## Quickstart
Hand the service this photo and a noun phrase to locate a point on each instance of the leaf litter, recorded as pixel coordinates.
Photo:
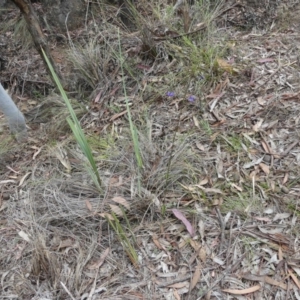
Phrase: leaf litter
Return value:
(227, 169)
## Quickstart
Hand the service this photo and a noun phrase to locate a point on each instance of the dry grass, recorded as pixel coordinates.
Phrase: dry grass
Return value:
(214, 207)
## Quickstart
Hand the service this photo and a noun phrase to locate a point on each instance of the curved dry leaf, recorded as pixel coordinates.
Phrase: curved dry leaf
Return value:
(121, 201)
(265, 168)
(196, 122)
(176, 295)
(196, 277)
(203, 181)
(23, 178)
(39, 149)
(240, 189)
(180, 216)
(253, 163)
(196, 246)
(266, 147)
(263, 219)
(118, 115)
(200, 146)
(179, 285)
(270, 231)
(261, 101)
(88, 205)
(106, 216)
(244, 291)
(281, 216)
(66, 243)
(201, 229)
(271, 281)
(156, 242)
(209, 190)
(116, 181)
(202, 254)
(97, 264)
(116, 209)
(295, 279)
(219, 261)
(285, 178)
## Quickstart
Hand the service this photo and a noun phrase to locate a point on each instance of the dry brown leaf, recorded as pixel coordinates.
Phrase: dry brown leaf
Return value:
(253, 163)
(97, 98)
(244, 291)
(196, 246)
(156, 242)
(122, 201)
(271, 281)
(39, 149)
(270, 231)
(265, 279)
(196, 122)
(66, 243)
(182, 243)
(281, 216)
(179, 285)
(272, 124)
(196, 277)
(201, 229)
(202, 254)
(214, 136)
(285, 178)
(23, 179)
(290, 96)
(261, 101)
(215, 101)
(88, 205)
(265, 168)
(200, 146)
(116, 116)
(219, 167)
(203, 181)
(97, 264)
(116, 181)
(266, 147)
(180, 216)
(295, 279)
(280, 254)
(106, 216)
(116, 209)
(219, 261)
(240, 189)
(209, 190)
(176, 295)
